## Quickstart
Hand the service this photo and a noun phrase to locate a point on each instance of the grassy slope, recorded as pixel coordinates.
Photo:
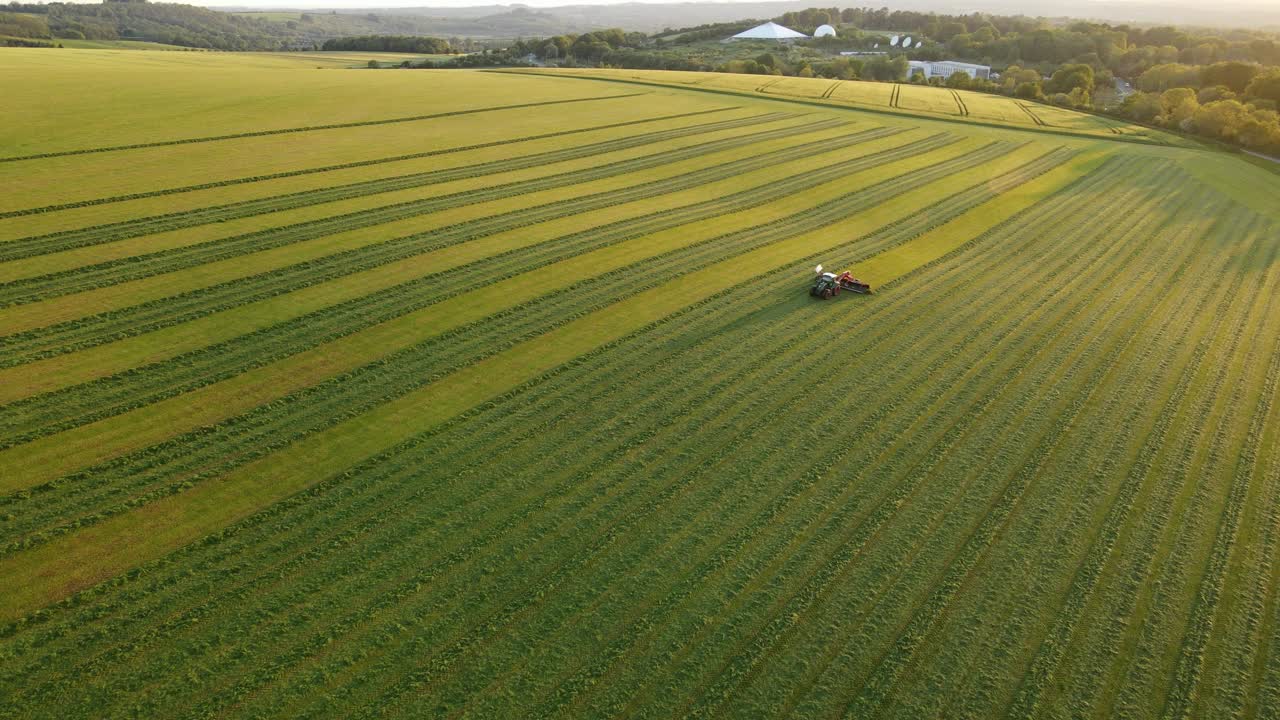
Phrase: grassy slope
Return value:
(576, 459)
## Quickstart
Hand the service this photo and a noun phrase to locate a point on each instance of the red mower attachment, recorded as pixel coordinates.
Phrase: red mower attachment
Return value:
(828, 284)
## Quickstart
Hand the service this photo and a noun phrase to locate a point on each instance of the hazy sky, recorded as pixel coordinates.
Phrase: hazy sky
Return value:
(1028, 7)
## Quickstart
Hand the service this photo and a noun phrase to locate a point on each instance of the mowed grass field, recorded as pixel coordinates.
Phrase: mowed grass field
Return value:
(899, 98)
(351, 393)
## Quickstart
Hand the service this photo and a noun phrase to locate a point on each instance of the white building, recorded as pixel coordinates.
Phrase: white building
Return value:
(769, 31)
(946, 68)
(824, 31)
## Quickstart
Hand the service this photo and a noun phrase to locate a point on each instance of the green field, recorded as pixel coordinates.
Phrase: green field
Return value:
(354, 393)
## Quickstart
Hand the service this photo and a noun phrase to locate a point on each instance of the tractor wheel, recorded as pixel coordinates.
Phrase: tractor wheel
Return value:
(813, 292)
(826, 294)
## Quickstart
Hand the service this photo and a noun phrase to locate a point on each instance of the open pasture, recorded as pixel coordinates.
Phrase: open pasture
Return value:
(440, 394)
(917, 100)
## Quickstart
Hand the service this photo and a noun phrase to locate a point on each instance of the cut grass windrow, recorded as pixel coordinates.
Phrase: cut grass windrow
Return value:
(1069, 358)
(1155, 510)
(28, 290)
(27, 419)
(112, 232)
(1179, 281)
(1144, 670)
(1188, 300)
(1179, 703)
(1054, 647)
(313, 128)
(135, 320)
(374, 384)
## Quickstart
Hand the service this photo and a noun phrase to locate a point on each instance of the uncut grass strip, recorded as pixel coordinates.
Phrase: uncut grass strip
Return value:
(710, 250)
(1184, 657)
(1170, 564)
(1158, 505)
(1054, 647)
(1264, 690)
(125, 322)
(1091, 434)
(737, 655)
(112, 232)
(146, 317)
(878, 686)
(313, 128)
(1080, 514)
(381, 252)
(43, 287)
(543, 710)
(43, 415)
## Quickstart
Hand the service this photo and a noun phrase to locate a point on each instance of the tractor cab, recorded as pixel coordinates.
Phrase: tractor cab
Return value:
(827, 284)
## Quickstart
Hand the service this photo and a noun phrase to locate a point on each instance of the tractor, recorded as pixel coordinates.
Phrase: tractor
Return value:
(828, 284)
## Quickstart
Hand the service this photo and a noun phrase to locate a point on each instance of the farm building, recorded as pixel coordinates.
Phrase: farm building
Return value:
(769, 31)
(946, 68)
(824, 31)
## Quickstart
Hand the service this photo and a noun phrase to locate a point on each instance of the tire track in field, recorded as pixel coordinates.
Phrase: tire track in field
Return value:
(312, 128)
(112, 272)
(64, 240)
(364, 388)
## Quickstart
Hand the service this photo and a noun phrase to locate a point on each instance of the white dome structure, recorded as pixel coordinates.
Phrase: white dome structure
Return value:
(769, 31)
(824, 31)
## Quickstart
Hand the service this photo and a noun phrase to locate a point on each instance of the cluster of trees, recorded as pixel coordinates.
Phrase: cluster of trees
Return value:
(592, 47)
(15, 25)
(169, 23)
(391, 43)
(1228, 105)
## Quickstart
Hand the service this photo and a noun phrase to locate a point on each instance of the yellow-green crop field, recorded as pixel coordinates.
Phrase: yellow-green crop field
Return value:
(354, 393)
